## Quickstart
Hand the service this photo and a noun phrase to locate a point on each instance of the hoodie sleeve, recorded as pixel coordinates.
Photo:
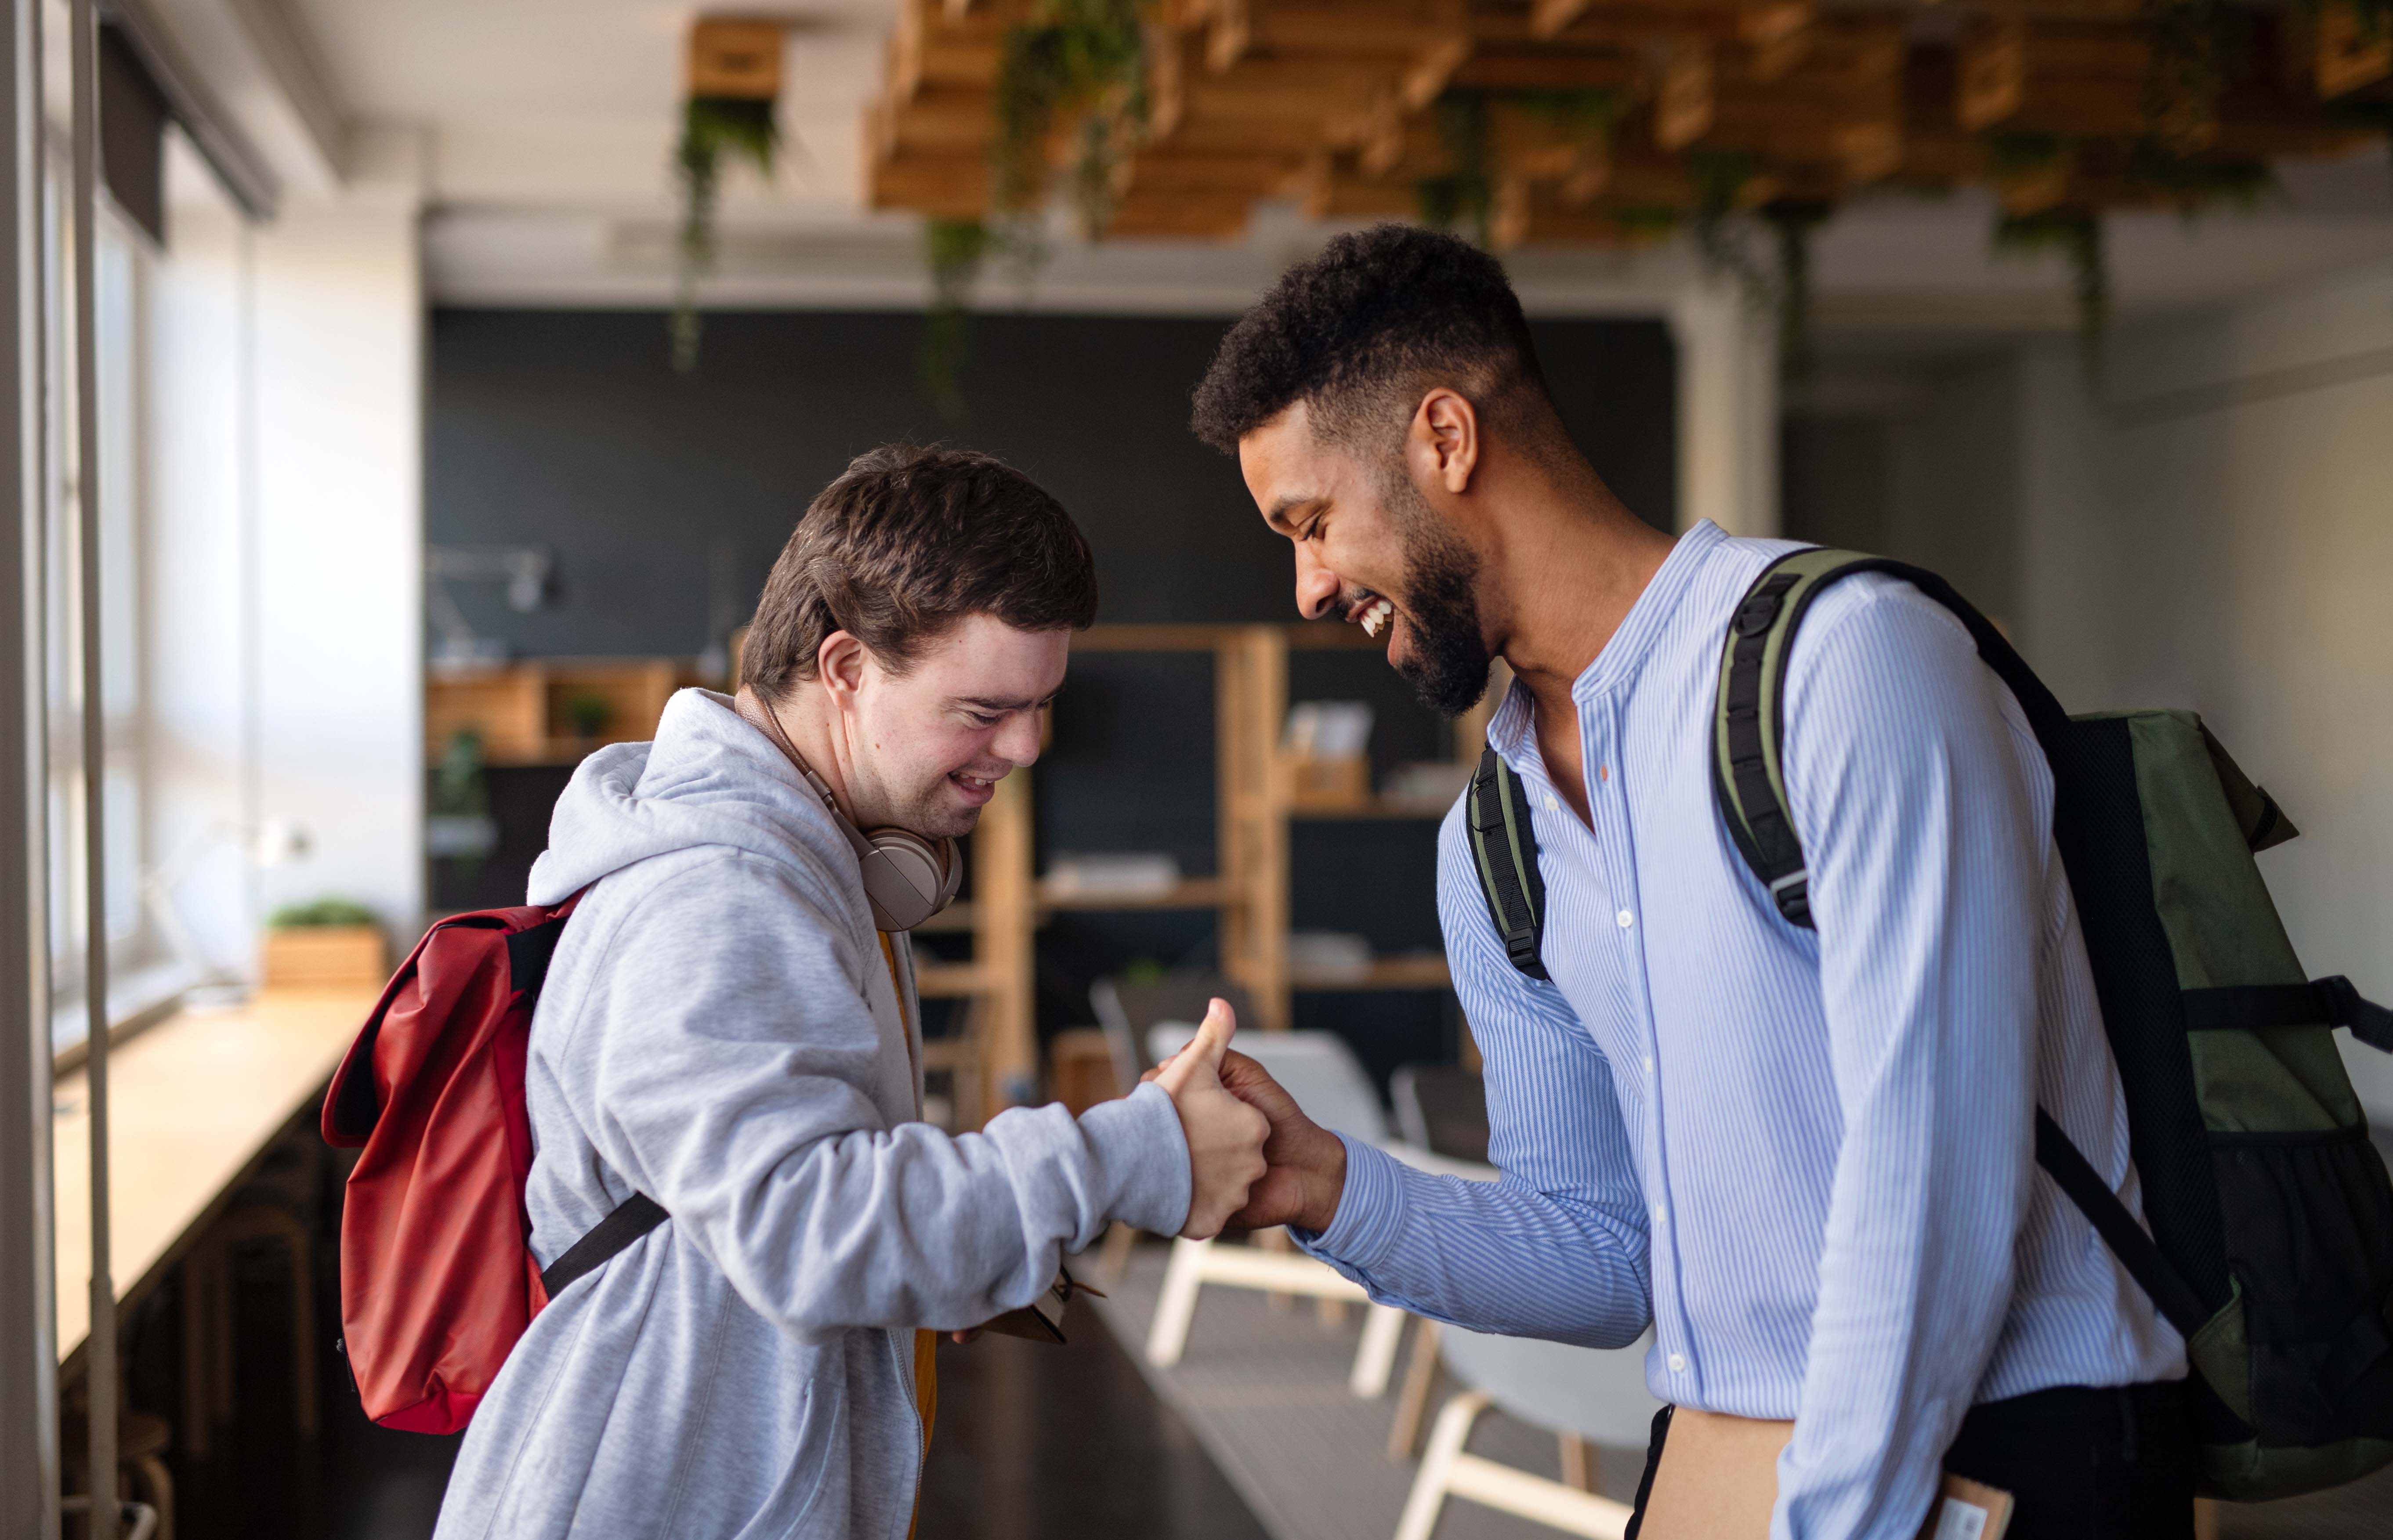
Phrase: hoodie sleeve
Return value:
(730, 1056)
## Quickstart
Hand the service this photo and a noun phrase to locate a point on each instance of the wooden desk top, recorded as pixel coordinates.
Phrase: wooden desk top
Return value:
(193, 1102)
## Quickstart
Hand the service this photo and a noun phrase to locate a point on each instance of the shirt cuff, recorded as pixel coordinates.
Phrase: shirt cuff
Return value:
(1370, 1212)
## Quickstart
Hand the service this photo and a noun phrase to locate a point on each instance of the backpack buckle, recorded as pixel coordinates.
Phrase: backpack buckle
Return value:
(1792, 893)
(1756, 615)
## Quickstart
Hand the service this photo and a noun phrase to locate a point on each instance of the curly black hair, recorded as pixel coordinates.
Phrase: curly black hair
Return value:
(1354, 330)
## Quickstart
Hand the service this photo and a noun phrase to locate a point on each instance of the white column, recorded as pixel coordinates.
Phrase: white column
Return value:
(1728, 410)
(339, 340)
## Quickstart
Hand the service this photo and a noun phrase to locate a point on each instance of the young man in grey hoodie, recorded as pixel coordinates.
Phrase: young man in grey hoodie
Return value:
(726, 1030)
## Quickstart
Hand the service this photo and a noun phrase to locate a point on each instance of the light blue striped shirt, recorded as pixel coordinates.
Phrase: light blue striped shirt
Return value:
(1807, 1157)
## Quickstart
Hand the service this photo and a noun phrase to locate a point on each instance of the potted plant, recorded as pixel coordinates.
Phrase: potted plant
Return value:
(332, 943)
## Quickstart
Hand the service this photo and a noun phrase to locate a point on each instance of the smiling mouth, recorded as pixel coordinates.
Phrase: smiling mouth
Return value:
(1375, 616)
(974, 783)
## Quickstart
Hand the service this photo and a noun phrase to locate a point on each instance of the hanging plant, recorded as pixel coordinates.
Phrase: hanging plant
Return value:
(1794, 220)
(955, 250)
(2076, 234)
(734, 81)
(1465, 191)
(1076, 65)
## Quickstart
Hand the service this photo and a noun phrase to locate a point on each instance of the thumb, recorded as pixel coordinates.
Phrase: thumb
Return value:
(1202, 1054)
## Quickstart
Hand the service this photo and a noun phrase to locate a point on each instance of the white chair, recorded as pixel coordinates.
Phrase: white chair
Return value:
(1579, 1393)
(1320, 1072)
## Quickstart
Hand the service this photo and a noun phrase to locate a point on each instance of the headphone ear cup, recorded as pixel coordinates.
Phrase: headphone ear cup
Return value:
(908, 878)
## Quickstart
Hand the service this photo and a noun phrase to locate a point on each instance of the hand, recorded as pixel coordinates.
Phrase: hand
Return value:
(1305, 1163)
(1225, 1135)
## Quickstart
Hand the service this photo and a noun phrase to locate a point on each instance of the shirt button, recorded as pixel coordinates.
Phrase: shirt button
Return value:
(1550, 803)
(1677, 1363)
(1649, 1063)
(1627, 919)
(1660, 1213)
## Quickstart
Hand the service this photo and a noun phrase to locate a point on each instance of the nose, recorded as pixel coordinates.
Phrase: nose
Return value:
(1316, 586)
(1017, 741)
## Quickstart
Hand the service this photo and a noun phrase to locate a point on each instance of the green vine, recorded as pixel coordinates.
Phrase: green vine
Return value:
(955, 250)
(1794, 220)
(2076, 234)
(1587, 117)
(1465, 191)
(1080, 64)
(712, 129)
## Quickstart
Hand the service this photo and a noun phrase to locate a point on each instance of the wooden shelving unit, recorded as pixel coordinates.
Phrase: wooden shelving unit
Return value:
(1256, 806)
(522, 712)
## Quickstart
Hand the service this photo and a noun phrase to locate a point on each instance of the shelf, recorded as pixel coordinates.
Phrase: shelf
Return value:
(1195, 892)
(1421, 971)
(1388, 809)
(948, 981)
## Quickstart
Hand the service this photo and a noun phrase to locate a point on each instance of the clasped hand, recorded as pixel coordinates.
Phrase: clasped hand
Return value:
(1254, 1159)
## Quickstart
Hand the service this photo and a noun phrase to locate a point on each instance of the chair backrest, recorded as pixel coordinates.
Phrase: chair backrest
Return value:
(1318, 1068)
(1129, 1012)
(1441, 1107)
(1598, 1393)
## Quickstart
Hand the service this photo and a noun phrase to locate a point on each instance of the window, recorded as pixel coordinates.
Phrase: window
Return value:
(121, 274)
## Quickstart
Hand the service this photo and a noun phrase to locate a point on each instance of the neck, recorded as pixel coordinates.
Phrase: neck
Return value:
(1568, 564)
(818, 733)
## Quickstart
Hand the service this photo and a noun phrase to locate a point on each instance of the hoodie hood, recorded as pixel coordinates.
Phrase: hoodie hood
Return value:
(708, 779)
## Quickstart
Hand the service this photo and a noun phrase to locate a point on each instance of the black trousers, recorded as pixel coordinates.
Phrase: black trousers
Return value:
(2080, 1464)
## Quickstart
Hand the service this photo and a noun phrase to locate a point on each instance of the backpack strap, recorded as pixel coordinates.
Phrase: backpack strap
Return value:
(1749, 711)
(634, 1218)
(1748, 777)
(1504, 845)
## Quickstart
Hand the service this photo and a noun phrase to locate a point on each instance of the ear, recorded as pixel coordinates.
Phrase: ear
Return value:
(1444, 443)
(839, 667)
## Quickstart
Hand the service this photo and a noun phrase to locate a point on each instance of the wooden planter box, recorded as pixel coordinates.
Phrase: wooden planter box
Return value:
(316, 956)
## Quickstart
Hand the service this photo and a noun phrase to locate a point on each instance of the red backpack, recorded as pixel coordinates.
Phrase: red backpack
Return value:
(438, 1276)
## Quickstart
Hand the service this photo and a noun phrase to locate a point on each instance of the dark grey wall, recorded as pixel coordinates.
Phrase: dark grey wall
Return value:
(568, 428)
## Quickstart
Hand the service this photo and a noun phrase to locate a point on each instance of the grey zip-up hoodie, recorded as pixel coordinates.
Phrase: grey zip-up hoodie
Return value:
(719, 1031)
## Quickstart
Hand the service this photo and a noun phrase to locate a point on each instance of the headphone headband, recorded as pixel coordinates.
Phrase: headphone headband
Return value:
(908, 878)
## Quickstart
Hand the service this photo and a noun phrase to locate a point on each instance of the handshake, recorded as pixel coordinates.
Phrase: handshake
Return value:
(1254, 1159)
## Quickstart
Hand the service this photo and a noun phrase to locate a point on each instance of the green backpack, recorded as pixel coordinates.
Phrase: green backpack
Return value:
(2270, 1245)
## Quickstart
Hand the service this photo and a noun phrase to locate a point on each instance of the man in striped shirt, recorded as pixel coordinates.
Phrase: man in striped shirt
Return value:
(1804, 1159)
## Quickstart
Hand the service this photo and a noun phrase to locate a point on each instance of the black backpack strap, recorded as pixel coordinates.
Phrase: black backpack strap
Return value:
(1748, 778)
(1750, 710)
(2127, 1237)
(634, 1218)
(1504, 845)
(2332, 1001)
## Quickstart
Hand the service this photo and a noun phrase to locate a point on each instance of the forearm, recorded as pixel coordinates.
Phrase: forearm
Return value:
(1491, 1255)
(912, 1227)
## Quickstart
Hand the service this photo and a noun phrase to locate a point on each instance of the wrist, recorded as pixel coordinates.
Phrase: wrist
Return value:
(1326, 1181)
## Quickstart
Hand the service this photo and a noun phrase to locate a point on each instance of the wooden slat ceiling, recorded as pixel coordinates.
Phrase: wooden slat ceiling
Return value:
(1338, 103)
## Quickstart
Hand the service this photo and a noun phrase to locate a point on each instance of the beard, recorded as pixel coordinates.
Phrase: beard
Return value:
(1449, 659)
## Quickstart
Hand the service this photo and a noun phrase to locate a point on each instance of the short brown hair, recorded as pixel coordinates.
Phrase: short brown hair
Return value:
(905, 544)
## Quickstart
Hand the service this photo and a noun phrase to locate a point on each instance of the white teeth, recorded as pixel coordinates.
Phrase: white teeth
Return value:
(1377, 616)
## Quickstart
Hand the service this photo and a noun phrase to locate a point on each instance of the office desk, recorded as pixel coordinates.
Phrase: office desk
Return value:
(193, 1103)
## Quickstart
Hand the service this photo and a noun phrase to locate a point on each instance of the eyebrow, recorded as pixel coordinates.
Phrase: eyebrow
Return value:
(1018, 703)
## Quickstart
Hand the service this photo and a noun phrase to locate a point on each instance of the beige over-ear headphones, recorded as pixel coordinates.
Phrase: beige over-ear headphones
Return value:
(906, 877)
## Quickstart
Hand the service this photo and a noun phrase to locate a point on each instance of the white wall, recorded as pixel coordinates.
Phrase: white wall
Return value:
(196, 567)
(2218, 534)
(339, 340)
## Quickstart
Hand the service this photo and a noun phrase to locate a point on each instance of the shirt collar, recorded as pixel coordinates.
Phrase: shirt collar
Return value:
(1620, 656)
